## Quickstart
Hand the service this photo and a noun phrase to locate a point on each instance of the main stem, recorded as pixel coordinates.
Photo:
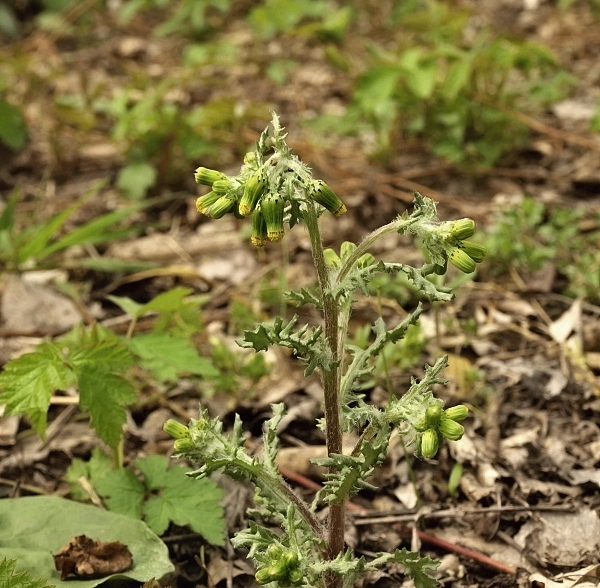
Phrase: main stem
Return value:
(331, 387)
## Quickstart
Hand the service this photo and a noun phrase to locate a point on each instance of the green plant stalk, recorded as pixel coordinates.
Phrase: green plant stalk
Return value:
(331, 386)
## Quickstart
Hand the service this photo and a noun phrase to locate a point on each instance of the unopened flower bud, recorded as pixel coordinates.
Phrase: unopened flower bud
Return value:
(462, 229)
(221, 207)
(296, 576)
(451, 429)
(183, 445)
(272, 206)
(332, 259)
(253, 189)
(365, 260)
(457, 413)
(274, 552)
(263, 576)
(277, 571)
(259, 228)
(320, 192)
(347, 249)
(475, 251)
(429, 443)
(461, 260)
(176, 429)
(290, 558)
(433, 415)
(206, 176)
(222, 186)
(205, 202)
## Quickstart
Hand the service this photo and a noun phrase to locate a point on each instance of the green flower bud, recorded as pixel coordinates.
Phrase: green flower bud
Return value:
(274, 552)
(320, 192)
(461, 229)
(259, 228)
(183, 445)
(253, 189)
(290, 558)
(272, 206)
(222, 186)
(331, 258)
(221, 207)
(205, 202)
(475, 251)
(421, 424)
(263, 576)
(429, 443)
(456, 413)
(347, 249)
(451, 429)
(278, 571)
(296, 576)
(249, 158)
(206, 176)
(433, 415)
(176, 429)
(365, 260)
(461, 260)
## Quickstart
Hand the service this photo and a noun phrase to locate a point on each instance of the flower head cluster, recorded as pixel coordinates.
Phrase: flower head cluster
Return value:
(264, 190)
(436, 424)
(281, 567)
(448, 241)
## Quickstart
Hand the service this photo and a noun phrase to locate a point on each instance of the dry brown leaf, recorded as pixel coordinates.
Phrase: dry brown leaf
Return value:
(85, 557)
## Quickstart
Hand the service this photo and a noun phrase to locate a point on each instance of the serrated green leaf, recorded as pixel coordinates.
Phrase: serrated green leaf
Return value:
(28, 382)
(121, 491)
(98, 465)
(257, 339)
(104, 395)
(8, 578)
(169, 357)
(182, 500)
(111, 355)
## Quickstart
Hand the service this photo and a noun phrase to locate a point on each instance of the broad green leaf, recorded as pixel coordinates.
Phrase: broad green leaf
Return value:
(28, 382)
(8, 579)
(456, 78)
(182, 500)
(421, 80)
(13, 130)
(168, 357)
(121, 491)
(131, 307)
(104, 395)
(168, 301)
(33, 528)
(135, 179)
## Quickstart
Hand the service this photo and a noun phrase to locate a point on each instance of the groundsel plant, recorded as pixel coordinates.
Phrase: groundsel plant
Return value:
(275, 188)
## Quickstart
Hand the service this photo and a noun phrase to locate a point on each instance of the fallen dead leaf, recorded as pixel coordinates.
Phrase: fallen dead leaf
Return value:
(85, 557)
(562, 539)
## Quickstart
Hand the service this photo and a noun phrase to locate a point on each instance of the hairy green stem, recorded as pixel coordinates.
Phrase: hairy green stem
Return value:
(331, 386)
